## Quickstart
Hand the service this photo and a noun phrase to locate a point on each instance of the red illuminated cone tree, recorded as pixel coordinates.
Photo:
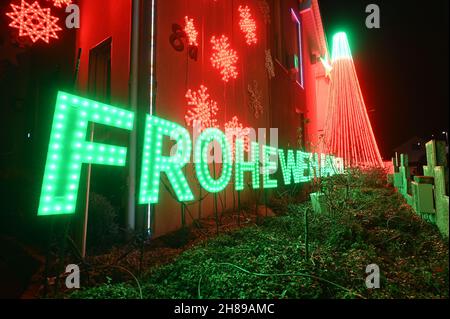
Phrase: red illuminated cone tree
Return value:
(348, 133)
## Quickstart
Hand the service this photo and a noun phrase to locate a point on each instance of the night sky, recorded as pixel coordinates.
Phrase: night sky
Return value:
(402, 67)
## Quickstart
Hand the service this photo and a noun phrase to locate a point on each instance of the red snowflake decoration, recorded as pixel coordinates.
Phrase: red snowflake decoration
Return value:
(224, 58)
(235, 130)
(61, 3)
(202, 109)
(248, 25)
(191, 31)
(33, 21)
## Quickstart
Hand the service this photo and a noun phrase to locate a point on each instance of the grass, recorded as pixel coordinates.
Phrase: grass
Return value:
(370, 226)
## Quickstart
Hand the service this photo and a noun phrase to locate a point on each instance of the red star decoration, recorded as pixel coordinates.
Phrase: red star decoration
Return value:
(33, 21)
(60, 3)
(190, 31)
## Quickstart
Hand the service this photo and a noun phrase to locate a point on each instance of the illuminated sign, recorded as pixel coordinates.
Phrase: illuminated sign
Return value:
(69, 149)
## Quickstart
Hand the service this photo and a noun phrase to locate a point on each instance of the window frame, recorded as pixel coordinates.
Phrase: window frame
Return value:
(300, 77)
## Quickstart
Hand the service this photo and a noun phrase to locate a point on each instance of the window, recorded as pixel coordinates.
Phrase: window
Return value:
(301, 133)
(298, 56)
(288, 39)
(99, 81)
(100, 181)
(280, 47)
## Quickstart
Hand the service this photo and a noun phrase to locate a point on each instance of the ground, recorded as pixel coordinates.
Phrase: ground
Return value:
(369, 223)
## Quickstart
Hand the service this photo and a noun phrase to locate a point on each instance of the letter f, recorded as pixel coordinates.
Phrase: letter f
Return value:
(68, 150)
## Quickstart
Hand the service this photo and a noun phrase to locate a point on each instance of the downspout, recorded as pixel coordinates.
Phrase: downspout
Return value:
(150, 208)
(134, 76)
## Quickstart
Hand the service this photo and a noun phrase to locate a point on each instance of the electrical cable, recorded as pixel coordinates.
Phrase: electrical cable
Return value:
(284, 275)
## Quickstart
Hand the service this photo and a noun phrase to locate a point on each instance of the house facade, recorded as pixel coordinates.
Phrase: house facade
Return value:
(264, 62)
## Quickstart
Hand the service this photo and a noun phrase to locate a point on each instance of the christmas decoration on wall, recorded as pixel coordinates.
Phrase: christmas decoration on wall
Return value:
(202, 168)
(327, 66)
(269, 166)
(235, 130)
(33, 21)
(269, 64)
(154, 162)
(190, 31)
(176, 38)
(224, 58)
(348, 131)
(251, 166)
(248, 25)
(294, 166)
(61, 3)
(69, 149)
(265, 11)
(255, 102)
(202, 109)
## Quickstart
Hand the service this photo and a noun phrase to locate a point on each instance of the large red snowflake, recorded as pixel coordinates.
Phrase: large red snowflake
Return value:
(202, 109)
(235, 130)
(191, 31)
(224, 58)
(248, 25)
(33, 21)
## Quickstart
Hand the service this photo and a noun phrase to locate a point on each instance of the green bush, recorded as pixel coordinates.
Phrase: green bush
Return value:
(108, 291)
(368, 225)
(103, 228)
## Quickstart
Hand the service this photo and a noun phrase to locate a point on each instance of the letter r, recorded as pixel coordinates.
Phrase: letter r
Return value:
(154, 162)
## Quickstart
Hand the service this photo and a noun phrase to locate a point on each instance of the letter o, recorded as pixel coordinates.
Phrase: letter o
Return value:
(201, 160)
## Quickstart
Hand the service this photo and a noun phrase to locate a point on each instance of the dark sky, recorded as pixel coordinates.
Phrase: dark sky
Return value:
(402, 67)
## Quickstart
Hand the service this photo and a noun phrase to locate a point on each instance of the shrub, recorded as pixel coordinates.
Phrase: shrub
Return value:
(103, 229)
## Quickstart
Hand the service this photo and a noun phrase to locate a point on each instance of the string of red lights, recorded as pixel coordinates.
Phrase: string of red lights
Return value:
(349, 133)
(34, 21)
(248, 25)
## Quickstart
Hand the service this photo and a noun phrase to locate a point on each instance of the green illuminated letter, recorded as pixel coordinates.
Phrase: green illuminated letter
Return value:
(303, 166)
(154, 162)
(327, 168)
(338, 165)
(289, 167)
(269, 167)
(201, 160)
(68, 150)
(251, 166)
(314, 167)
